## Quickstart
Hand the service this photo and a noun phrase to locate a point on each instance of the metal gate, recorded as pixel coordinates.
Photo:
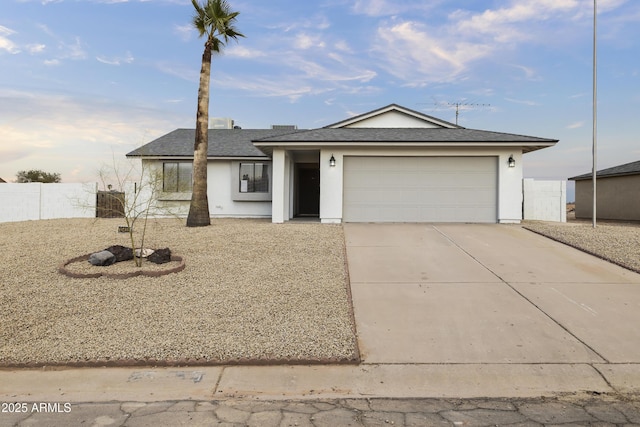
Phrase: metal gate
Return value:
(110, 204)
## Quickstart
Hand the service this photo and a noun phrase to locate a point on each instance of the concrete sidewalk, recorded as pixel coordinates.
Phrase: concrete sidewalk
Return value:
(442, 311)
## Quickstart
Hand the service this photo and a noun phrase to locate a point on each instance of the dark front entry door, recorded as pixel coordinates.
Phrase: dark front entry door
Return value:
(308, 190)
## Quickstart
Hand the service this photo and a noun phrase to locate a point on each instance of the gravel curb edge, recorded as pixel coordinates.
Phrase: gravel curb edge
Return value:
(352, 314)
(605, 258)
(126, 363)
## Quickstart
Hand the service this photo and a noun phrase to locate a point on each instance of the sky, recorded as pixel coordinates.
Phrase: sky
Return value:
(83, 82)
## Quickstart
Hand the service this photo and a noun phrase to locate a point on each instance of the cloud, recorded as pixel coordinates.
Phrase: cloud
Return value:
(127, 59)
(374, 7)
(45, 29)
(74, 51)
(10, 153)
(184, 31)
(244, 53)
(324, 69)
(503, 24)
(37, 127)
(380, 8)
(5, 43)
(290, 88)
(427, 51)
(343, 46)
(411, 53)
(306, 62)
(302, 76)
(36, 48)
(307, 41)
(523, 102)
(183, 72)
(604, 7)
(307, 78)
(576, 125)
(316, 22)
(529, 73)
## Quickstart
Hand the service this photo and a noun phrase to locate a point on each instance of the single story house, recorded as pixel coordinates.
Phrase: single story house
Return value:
(617, 193)
(392, 164)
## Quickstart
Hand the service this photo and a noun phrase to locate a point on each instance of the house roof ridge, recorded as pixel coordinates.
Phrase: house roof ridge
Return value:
(631, 168)
(398, 107)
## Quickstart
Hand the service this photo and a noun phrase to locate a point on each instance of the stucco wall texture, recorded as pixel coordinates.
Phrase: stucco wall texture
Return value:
(618, 198)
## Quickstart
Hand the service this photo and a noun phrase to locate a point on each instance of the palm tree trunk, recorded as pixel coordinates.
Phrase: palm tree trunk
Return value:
(199, 209)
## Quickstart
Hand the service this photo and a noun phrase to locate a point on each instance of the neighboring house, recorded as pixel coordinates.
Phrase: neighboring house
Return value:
(389, 165)
(617, 193)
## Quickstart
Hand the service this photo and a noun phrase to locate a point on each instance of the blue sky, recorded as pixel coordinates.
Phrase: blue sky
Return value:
(85, 80)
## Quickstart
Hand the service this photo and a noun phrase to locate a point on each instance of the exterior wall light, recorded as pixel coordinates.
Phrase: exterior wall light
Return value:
(512, 162)
(332, 161)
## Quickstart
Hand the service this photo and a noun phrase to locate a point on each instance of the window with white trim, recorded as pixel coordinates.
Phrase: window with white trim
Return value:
(177, 177)
(254, 177)
(251, 180)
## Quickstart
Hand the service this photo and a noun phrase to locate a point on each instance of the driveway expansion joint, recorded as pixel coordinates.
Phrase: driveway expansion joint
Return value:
(563, 327)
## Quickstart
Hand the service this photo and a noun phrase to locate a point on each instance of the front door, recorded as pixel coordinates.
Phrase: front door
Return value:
(308, 189)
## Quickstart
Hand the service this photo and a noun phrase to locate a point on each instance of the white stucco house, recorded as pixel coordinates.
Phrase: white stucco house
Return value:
(393, 164)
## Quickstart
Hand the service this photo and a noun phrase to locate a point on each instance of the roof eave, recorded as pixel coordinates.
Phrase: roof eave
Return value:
(171, 157)
(535, 147)
(587, 177)
(526, 146)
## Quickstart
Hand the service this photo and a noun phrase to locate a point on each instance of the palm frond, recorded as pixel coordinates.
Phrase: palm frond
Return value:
(215, 19)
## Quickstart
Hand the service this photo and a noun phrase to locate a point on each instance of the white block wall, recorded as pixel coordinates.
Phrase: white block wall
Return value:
(33, 201)
(545, 200)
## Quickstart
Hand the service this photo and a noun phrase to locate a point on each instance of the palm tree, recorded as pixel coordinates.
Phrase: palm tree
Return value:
(215, 20)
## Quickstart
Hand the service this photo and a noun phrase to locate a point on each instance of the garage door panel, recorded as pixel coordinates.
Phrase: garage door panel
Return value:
(420, 189)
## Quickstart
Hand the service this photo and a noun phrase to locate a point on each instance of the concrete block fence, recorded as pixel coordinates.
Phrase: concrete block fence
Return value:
(34, 201)
(545, 200)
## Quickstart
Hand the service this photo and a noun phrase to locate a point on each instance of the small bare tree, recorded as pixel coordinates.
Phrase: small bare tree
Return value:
(142, 187)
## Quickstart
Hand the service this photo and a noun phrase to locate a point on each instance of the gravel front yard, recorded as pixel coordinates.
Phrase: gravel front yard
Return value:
(251, 292)
(618, 243)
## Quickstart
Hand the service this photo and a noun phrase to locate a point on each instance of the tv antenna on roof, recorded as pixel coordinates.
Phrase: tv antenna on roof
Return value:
(464, 105)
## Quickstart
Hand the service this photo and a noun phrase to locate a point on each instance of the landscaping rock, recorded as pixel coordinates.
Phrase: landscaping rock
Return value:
(143, 253)
(102, 258)
(160, 256)
(122, 253)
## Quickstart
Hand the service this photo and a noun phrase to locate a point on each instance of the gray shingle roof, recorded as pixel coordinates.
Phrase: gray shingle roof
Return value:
(632, 168)
(222, 143)
(405, 135)
(401, 135)
(238, 143)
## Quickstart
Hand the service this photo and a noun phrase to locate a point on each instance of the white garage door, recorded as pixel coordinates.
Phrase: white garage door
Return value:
(420, 189)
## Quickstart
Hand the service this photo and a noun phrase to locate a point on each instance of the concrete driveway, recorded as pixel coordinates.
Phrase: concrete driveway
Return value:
(487, 294)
